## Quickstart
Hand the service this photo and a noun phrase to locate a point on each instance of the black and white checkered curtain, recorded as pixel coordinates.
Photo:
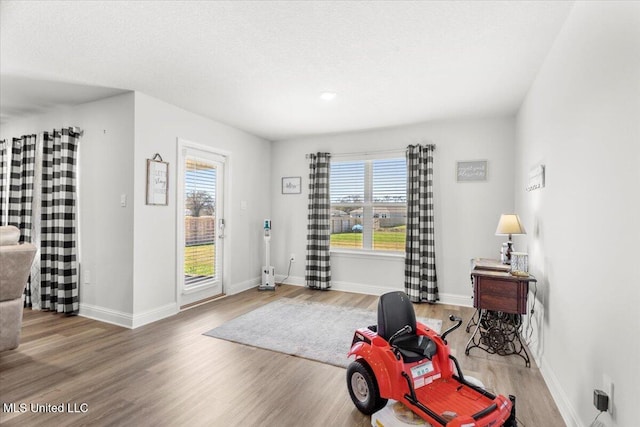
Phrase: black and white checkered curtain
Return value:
(318, 267)
(22, 171)
(59, 271)
(420, 280)
(4, 160)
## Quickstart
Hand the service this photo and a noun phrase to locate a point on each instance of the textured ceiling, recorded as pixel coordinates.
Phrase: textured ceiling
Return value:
(261, 66)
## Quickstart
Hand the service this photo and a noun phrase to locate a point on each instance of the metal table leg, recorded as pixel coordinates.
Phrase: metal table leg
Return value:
(499, 334)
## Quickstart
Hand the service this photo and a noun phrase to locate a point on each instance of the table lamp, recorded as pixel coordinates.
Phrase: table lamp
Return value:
(509, 224)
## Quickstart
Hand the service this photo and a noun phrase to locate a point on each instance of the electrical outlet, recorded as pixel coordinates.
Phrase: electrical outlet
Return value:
(87, 277)
(607, 387)
(292, 257)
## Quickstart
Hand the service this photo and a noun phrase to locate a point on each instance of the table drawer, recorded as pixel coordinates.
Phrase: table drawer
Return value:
(500, 295)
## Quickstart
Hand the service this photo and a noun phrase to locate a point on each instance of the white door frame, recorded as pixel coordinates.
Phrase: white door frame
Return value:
(182, 146)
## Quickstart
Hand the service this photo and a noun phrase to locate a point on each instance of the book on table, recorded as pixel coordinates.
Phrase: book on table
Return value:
(489, 264)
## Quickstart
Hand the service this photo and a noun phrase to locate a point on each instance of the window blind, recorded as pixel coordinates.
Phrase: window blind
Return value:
(368, 204)
(200, 230)
(390, 181)
(346, 182)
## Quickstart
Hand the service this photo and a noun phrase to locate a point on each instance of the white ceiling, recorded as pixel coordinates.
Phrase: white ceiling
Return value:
(261, 66)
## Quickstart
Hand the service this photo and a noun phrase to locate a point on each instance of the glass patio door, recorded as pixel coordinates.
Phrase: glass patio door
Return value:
(201, 226)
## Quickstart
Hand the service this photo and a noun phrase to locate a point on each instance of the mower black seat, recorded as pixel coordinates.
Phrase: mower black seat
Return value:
(395, 311)
(415, 347)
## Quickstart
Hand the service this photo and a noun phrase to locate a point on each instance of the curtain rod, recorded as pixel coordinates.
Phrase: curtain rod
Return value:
(369, 153)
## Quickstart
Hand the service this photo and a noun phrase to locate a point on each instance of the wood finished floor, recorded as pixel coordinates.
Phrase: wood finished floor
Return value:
(169, 374)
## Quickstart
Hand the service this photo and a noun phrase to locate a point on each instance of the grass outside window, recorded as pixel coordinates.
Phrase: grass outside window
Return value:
(390, 239)
(198, 260)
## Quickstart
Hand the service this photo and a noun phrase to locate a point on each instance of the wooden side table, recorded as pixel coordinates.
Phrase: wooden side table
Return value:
(500, 300)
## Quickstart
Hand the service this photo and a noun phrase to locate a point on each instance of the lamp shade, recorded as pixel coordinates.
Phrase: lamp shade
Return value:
(509, 224)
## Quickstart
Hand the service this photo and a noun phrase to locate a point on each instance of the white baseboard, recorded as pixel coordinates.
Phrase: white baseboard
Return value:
(126, 320)
(455, 299)
(362, 288)
(154, 315)
(356, 288)
(563, 403)
(291, 280)
(236, 288)
(106, 315)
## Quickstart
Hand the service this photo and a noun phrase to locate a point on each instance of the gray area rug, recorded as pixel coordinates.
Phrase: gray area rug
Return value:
(312, 330)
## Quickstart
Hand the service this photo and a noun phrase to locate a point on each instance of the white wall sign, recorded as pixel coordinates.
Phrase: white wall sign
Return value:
(536, 178)
(471, 171)
(157, 182)
(291, 185)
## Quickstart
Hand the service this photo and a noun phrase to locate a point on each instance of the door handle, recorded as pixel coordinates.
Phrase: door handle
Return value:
(221, 226)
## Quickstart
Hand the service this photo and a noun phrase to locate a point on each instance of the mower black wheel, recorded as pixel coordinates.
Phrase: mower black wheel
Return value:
(363, 388)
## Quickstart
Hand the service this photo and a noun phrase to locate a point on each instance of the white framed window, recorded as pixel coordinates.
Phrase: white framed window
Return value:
(368, 204)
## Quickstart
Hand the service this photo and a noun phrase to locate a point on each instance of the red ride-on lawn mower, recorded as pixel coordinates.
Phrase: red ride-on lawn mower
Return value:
(406, 361)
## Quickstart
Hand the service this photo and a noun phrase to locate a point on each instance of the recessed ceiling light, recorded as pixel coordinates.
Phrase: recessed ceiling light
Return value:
(327, 96)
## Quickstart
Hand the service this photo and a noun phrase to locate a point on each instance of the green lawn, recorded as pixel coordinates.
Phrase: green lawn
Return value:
(387, 240)
(198, 260)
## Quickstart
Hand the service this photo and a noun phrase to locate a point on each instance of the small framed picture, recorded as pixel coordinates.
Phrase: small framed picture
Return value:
(471, 171)
(157, 182)
(291, 185)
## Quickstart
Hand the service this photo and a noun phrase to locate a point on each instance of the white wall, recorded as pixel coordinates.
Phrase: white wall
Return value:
(466, 214)
(130, 252)
(105, 165)
(581, 119)
(157, 127)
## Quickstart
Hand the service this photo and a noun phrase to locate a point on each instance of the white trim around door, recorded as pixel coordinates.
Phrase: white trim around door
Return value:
(202, 222)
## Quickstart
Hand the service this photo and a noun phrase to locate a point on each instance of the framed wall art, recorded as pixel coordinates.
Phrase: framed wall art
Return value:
(536, 178)
(291, 185)
(157, 181)
(471, 171)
